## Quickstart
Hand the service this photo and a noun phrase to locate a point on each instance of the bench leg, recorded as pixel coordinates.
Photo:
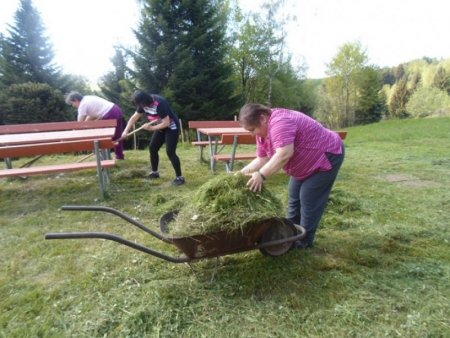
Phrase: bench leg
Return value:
(100, 172)
(228, 169)
(8, 163)
(201, 154)
(233, 152)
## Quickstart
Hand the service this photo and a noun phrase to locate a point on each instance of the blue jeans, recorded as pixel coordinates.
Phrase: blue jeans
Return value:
(308, 198)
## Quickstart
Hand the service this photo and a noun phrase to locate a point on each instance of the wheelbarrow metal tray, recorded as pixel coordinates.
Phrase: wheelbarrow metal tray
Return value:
(223, 242)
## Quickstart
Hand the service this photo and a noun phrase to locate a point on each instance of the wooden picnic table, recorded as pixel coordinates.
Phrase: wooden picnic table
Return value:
(214, 135)
(67, 137)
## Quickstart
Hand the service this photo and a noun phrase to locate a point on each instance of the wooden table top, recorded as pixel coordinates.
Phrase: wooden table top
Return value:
(225, 130)
(55, 136)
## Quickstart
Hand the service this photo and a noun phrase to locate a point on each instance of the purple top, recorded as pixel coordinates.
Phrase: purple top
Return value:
(310, 139)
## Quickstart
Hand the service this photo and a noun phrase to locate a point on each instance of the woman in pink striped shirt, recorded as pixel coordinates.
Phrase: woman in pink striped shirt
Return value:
(310, 153)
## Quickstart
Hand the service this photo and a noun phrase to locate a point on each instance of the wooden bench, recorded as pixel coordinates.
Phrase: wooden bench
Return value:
(234, 140)
(244, 139)
(99, 145)
(342, 134)
(208, 124)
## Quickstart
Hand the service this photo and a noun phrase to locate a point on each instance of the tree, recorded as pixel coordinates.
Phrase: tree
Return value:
(26, 54)
(441, 80)
(116, 85)
(182, 55)
(290, 91)
(370, 102)
(399, 72)
(388, 76)
(414, 81)
(399, 99)
(274, 38)
(258, 55)
(246, 54)
(330, 101)
(344, 71)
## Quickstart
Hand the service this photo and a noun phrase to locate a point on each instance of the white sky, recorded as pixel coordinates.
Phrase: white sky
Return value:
(84, 32)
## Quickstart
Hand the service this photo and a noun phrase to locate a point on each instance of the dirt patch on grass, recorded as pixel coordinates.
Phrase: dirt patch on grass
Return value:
(409, 181)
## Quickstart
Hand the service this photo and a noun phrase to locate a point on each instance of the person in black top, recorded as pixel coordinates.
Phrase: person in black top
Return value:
(165, 126)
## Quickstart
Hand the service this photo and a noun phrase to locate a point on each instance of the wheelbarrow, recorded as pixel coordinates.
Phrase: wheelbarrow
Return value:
(272, 236)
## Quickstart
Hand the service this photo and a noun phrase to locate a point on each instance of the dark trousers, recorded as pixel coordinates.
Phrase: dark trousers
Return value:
(308, 198)
(170, 138)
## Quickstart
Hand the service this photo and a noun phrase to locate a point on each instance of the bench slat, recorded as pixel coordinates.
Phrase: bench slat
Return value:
(342, 134)
(241, 139)
(227, 157)
(213, 124)
(56, 168)
(55, 126)
(203, 143)
(53, 148)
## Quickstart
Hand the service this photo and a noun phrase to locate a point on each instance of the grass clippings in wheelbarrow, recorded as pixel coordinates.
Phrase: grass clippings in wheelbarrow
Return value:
(224, 204)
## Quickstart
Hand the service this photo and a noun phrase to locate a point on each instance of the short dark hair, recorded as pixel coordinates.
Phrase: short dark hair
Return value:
(251, 112)
(141, 98)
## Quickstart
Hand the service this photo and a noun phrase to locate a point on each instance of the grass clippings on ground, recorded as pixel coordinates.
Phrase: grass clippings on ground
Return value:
(380, 266)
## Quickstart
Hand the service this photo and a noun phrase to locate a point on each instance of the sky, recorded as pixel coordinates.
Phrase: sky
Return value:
(83, 33)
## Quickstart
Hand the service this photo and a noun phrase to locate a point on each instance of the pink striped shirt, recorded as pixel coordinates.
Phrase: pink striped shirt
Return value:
(310, 139)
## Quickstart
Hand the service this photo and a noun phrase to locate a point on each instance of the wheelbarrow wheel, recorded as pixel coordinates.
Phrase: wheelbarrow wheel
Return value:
(278, 231)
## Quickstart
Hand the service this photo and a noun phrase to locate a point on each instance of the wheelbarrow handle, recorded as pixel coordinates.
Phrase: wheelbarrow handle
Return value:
(117, 213)
(281, 241)
(118, 239)
(301, 230)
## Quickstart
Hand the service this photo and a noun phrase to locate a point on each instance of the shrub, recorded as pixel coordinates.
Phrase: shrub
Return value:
(33, 103)
(427, 101)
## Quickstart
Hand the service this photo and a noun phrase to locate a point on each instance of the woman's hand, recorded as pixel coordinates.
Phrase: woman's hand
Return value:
(148, 126)
(256, 182)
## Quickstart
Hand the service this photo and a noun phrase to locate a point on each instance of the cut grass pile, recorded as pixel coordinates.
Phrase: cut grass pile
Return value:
(224, 203)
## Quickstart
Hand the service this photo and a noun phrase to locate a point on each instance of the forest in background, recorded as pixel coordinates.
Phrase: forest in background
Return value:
(208, 58)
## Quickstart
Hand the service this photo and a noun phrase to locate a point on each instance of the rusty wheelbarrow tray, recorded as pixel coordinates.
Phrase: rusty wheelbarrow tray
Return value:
(272, 236)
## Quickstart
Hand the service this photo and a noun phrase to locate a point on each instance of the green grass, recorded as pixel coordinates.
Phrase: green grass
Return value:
(381, 265)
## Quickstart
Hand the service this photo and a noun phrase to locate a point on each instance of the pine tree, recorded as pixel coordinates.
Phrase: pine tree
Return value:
(399, 99)
(26, 54)
(182, 56)
(116, 85)
(441, 80)
(369, 102)
(110, 82)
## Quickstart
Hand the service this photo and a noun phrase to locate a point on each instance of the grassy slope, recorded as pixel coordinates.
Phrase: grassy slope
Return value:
(380, 267)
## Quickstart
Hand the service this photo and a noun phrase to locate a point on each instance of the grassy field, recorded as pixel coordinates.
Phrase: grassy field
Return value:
(380, 268)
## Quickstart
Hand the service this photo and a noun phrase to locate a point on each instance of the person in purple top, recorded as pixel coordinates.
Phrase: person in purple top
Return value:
(165, 126)
(310, 153)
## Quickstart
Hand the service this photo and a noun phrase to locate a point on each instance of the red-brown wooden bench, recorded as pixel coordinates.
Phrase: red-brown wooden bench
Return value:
(100, 147)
